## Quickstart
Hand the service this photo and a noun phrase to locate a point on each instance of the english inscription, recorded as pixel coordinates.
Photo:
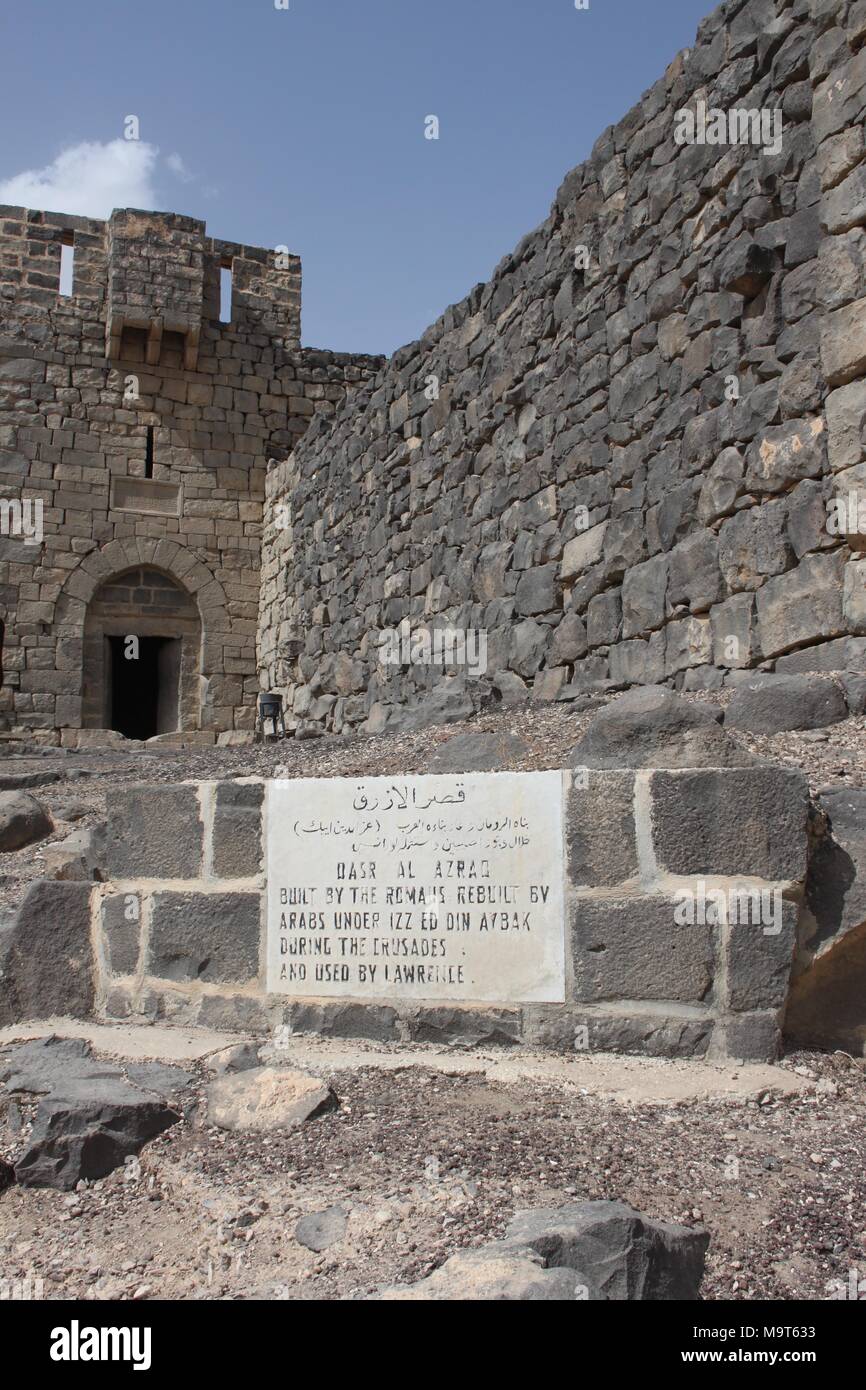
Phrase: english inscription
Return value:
(412, 888)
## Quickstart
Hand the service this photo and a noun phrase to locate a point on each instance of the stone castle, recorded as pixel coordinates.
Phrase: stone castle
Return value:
(634, 456)
(142, 424)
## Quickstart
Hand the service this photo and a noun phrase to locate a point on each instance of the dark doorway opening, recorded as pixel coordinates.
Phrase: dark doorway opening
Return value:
(145, 685)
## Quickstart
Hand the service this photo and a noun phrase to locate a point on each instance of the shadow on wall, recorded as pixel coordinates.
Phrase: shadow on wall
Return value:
(827, 1000)
(827, 1004)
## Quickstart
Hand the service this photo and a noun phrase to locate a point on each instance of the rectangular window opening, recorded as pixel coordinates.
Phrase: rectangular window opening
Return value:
(225, 293)
(67, 259)
(148, 453)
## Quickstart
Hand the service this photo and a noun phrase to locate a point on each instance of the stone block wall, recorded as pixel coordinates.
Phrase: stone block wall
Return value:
(176, 932)
(142, 426)
(617, 460)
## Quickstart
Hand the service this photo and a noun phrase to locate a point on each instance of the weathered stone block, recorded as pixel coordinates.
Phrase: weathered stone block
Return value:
(233, 1013)
(731, 821)
(802, 606)
(754, 544)
(854, 596)
(583, 551)
(213, 937)
(773, 704)
(643, 597)
(600, 829)
(843, 654)
(839, 100)
(733, 625)
(465, 1027)
(121, 932)
(760, 952)
(569, 640)
(843, 343)
(46, 959)
(536, 591)
(748, 1037)
(786, 454)
(651, 1030)
(745, 267)
(631, 948)
(695, 577)
(237, 829)
(604, 618)
(638, 662)
(152, 832)
(337, 1020)
(688, 643)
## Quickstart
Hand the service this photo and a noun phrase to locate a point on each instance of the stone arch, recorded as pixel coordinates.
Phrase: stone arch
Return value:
(142, 656)
(185, 570)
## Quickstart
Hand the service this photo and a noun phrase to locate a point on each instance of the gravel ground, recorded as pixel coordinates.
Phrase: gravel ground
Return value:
(836, 755)
(425, 1162)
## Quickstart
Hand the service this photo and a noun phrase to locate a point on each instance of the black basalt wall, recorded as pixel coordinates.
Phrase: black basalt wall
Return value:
(636, 454)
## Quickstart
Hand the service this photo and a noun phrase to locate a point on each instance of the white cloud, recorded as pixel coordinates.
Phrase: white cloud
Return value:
(89, 179)
(179, 169)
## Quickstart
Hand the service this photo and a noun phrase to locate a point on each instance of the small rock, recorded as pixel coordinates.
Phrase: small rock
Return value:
(321, 1229)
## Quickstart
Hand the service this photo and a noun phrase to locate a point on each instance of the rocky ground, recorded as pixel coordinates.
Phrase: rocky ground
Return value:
(833, 755)
(425, 1158)
(428, 1157)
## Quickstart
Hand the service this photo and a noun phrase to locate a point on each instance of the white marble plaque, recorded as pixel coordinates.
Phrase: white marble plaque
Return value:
(417, 888)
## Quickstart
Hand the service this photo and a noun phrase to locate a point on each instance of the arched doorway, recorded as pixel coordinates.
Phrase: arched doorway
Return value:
(142, 655)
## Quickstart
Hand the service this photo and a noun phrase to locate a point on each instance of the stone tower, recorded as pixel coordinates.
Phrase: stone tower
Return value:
(135, 429)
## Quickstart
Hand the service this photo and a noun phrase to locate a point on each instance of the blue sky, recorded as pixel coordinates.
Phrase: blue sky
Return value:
(305, 127)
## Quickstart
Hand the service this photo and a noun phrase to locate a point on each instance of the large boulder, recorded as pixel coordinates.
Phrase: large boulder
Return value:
(267, 1098)
(87, 1129)
(23, 821)
(774, 704)
(90, 1116)
(597, 1251)
(621, 1254)
(652, 727)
